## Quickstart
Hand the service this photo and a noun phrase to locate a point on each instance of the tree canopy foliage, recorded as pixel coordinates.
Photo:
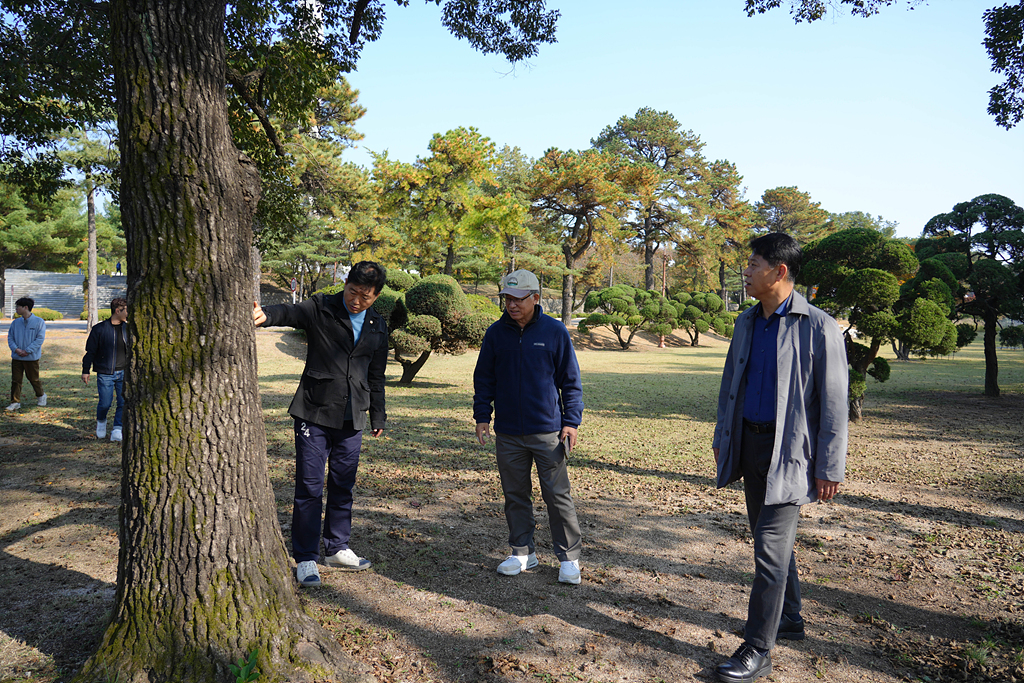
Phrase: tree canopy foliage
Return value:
(857, 273)
(440, 319)
(699, 312)
(788, 210)
(627, 310)
(980, 245)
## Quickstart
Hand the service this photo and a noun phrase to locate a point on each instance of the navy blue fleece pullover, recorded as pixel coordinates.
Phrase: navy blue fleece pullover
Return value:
(530, 375)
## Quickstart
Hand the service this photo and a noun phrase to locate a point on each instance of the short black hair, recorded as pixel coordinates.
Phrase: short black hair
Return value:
(117, 302)
(26, 302)
(776, 248)
(368, 273)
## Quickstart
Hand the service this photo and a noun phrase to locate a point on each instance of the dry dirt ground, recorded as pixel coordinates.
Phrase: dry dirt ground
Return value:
(916, 572)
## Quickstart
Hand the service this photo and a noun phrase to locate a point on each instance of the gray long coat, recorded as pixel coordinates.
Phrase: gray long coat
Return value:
(811, 406)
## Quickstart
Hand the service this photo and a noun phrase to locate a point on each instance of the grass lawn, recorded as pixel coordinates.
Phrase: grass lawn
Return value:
(917, 569)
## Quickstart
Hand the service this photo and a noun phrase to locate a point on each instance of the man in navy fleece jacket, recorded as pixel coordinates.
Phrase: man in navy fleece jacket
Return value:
(527, 369)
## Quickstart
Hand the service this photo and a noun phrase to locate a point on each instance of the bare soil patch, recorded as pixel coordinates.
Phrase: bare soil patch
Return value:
(916, 572)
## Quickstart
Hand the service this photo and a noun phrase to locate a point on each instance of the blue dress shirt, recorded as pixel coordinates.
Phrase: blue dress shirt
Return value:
(762, 369)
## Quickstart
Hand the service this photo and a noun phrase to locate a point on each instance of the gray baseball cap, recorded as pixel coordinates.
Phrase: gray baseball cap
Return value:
(519, 283)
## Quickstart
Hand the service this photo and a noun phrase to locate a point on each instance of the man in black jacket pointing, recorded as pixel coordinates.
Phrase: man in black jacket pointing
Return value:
(347, 347)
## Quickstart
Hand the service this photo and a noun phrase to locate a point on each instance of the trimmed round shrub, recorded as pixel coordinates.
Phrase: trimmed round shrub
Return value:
(880, 369)
(408, 344)
(481, 304)
(439, 296)
(101, 314)
(47, 313)
(399, 280)
(426, 326)
(965, 334)
(471, 328)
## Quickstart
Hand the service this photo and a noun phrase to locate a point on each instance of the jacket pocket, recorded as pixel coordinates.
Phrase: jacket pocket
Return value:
(324, 389)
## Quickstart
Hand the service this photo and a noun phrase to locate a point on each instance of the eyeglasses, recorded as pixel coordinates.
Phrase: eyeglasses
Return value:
(509, 299)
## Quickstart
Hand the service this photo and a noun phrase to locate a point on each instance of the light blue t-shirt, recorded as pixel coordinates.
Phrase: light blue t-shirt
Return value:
(357, 322)
(357, 329)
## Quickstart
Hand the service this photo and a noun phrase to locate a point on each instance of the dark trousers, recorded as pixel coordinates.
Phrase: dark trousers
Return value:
(516, 456)
(28, 368)
(315, 447)
(776, 586)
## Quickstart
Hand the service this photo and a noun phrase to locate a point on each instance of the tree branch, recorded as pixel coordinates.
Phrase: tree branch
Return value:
(357, 20)
(238, 82)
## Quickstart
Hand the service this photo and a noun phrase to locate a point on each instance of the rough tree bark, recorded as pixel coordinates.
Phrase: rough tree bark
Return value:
(991, 362)
(92, 299)
(203, 575)
(411, 367)
(650, 249)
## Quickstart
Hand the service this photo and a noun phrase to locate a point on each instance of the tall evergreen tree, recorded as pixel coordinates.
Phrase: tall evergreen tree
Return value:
(576, 195)
(663, 182)
(788, 210)
(982, 244)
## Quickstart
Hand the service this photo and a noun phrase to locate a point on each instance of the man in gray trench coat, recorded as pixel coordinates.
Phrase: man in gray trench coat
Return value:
(782, 427)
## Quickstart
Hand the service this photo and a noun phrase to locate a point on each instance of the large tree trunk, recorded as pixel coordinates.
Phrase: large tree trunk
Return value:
(567, 285)
(723, 292)
(410, 368)
(991, 363)
(856, 409)
(449, 261)
(91, 297)
(203, 576)
(650, 249)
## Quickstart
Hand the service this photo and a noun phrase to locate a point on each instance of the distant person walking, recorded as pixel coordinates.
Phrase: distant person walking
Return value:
(25, 337)
(106, 350)
(118, 267)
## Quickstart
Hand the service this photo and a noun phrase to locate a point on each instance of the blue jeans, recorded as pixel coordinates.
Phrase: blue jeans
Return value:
(106, 384)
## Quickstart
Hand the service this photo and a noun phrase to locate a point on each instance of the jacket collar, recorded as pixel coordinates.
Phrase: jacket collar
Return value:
(538, 311)
(797, 305)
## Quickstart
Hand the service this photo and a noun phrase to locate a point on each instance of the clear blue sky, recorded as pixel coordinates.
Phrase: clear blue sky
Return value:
(885, 115)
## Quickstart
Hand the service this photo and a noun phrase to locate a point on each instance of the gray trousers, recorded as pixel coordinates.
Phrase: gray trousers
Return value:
(516, 456)
(776, 586)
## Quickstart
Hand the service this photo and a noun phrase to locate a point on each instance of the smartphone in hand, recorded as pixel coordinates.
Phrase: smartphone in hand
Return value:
(565, 444)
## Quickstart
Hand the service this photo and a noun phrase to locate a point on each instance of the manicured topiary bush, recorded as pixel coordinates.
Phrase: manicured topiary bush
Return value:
(47, 313)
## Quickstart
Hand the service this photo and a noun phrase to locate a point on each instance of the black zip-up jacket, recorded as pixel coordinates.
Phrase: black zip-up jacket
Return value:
(336, 368)
(100, 347)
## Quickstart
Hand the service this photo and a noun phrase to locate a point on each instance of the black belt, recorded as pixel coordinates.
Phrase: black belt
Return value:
(759, 427)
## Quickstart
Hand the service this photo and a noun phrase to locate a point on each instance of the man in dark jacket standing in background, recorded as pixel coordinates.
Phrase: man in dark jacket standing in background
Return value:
(347, 347)
(106, 350)
(527, 369)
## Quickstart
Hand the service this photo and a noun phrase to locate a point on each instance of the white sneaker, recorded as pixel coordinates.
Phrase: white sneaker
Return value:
(569, 572)
(101, 429)
(13, 406)
(115, 434)
(41, 401)
(514, 564)
(308, 574)
(347, 561)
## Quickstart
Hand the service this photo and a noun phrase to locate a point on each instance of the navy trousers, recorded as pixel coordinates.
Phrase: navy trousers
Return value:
(338, 449)
(776, 586)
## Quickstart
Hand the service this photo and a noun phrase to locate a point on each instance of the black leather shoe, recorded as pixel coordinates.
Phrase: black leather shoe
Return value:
(745, 665)
(791, 629)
